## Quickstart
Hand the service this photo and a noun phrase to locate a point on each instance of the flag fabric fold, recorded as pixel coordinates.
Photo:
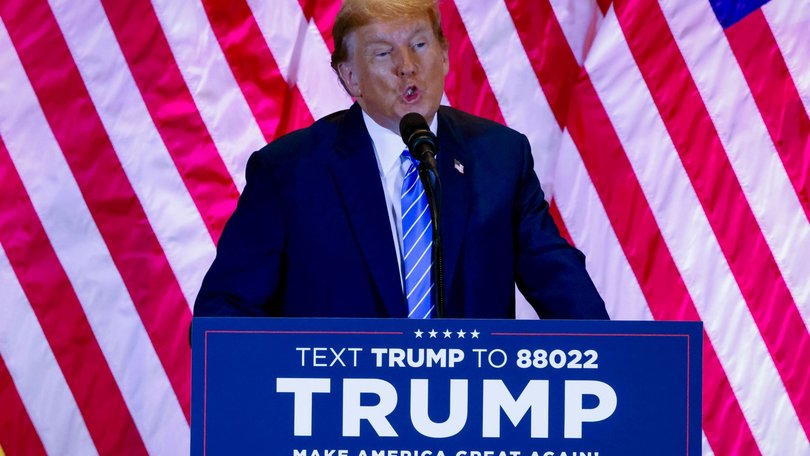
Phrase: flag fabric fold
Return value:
(672, 138)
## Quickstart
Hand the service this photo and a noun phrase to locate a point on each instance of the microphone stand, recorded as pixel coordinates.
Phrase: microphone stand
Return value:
(433, 191)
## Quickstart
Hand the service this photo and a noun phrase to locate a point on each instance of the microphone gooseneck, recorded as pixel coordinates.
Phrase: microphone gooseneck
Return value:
(422, 145)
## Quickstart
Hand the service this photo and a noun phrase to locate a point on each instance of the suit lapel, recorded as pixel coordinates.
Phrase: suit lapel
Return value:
(357, 178)
(455, 167)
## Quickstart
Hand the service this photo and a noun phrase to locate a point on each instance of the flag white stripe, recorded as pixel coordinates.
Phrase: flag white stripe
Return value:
(523, 310)
(748, 145)
(691, 241)
(707, 449)
(592, 233)
(303, 58)
(171, 212)
(535, 118)
(298, 46)
(36, 374)
(82, 252)
(216, 93)
(445, 101)
(789, 21)
(577, 200)
(513, 81)
(579, 21)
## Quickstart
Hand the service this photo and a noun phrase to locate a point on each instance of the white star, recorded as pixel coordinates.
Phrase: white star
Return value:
(475, 334)
(447, 333)
(432, 333)
(461, 333)
(418, 333)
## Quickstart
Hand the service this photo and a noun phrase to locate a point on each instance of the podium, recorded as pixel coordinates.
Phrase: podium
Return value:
(397, 387)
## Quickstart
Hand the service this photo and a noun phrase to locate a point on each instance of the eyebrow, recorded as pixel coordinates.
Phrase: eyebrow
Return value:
(377, 39)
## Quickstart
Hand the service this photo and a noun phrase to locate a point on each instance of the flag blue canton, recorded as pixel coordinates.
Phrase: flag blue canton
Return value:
(729, 12)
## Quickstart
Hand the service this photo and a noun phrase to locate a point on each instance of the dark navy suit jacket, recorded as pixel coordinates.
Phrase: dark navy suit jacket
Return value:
(311, 236)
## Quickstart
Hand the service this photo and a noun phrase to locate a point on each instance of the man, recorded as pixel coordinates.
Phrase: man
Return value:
(321, 228)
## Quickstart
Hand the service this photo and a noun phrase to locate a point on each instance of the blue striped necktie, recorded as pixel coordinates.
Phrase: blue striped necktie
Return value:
(417, 241)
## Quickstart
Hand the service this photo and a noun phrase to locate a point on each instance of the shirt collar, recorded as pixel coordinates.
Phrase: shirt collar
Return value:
(387, 145)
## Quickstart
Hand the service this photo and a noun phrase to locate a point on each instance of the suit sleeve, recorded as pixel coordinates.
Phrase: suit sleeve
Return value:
(245, 276)
(550, 273)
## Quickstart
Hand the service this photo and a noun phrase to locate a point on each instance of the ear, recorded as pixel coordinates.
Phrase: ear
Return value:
(445, 60)
(348, 76)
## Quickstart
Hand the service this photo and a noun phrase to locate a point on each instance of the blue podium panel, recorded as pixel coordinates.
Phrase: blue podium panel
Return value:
(390, 387)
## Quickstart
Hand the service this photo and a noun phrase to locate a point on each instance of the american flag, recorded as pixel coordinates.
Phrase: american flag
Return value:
(672, 136)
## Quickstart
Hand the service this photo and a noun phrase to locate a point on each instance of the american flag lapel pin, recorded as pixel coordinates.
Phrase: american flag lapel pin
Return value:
(459, 167)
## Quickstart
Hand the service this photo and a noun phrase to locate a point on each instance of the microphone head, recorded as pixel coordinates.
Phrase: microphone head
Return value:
(410, 124)
(416, 134)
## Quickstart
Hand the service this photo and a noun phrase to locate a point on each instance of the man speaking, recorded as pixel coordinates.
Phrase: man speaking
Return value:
(335, 222)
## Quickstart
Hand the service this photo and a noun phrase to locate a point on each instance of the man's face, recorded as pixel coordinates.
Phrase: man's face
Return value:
(395, 68)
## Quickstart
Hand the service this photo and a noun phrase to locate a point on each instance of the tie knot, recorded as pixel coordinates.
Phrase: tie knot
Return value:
(408, 164)
(407, 155)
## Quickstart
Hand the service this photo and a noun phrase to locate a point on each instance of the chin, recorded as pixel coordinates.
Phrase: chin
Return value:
(424, 111)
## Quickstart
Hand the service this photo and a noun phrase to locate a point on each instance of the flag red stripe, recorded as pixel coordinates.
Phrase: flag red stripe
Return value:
(724, 425)
(324, 13)
(551, 57)
(17, 432)
(112, 201)
(62, 318)
(277, 107)
(558, 220)
(776, 96)
(466, 86)
(173, 110)
(557, 70)
(737, 231)
(604, 5)
(553, 63)
(647, 253)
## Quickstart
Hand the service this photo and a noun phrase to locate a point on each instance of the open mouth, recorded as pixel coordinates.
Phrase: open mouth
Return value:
(410, 94)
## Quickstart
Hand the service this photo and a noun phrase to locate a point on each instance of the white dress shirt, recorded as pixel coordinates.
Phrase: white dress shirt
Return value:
(388, 148)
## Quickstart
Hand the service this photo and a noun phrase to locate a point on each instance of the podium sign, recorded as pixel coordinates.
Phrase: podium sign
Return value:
(391, 387)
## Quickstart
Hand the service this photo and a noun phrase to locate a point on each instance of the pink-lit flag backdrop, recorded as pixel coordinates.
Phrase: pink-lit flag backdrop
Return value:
(671, 136)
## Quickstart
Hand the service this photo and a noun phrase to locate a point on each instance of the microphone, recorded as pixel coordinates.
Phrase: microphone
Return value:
(422, 144)
(420, 140)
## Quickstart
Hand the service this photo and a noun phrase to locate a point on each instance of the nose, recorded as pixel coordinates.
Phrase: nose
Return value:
(407, 64)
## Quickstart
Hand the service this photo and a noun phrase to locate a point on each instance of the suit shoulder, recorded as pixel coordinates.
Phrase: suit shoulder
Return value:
(472, 126)
(304, 143)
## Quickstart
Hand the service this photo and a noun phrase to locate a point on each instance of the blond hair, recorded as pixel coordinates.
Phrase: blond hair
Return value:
(357, 13)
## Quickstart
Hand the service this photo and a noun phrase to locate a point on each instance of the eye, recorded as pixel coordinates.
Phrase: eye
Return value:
(382, 53)
(420, 45)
